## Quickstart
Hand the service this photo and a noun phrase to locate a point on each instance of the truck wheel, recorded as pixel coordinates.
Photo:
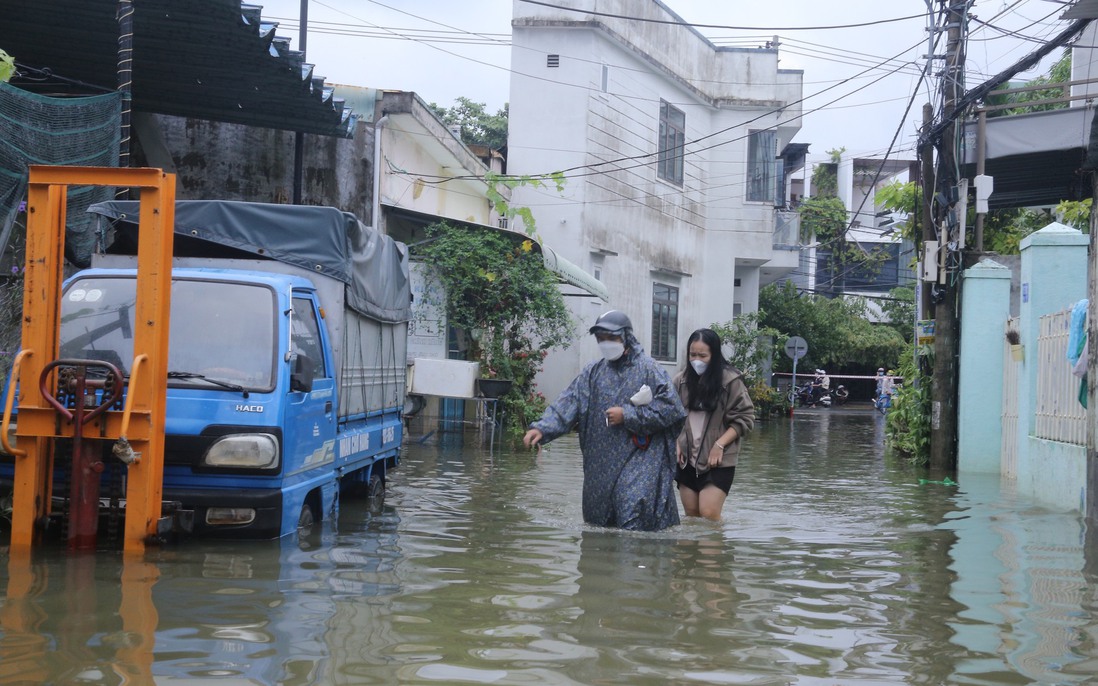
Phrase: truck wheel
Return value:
(375, 494)
(306, 519)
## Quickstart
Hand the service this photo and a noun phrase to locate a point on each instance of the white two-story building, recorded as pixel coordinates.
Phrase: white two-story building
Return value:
(671, 150)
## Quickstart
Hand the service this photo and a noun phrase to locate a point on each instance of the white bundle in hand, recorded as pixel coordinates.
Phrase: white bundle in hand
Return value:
(642, 397)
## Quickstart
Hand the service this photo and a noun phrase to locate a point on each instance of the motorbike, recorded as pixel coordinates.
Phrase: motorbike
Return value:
(884, 401)
(803, 397)
(840, 395)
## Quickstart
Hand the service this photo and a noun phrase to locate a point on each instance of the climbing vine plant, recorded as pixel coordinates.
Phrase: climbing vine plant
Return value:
(498, 291)
(511, 212)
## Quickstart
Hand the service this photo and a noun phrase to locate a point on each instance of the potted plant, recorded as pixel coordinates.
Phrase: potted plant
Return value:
(1017, 350)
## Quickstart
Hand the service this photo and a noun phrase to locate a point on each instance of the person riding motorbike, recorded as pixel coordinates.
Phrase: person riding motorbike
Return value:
(887, 389)
(821, 385)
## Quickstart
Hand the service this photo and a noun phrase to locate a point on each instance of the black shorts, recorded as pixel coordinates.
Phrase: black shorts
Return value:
(721, 477)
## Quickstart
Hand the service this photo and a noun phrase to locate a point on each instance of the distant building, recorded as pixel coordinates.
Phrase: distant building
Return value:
(871, 229)
(671, 147)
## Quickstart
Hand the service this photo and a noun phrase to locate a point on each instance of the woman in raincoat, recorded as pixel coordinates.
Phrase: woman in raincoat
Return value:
(628, 416)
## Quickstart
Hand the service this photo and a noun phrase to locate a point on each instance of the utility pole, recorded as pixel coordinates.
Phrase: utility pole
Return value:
(943, 409)
(299, 137)
(926, 211)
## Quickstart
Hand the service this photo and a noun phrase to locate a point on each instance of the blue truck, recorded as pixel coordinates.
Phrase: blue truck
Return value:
(286, 363)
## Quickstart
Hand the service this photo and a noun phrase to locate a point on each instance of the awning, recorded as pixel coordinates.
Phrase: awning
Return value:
(570, 273)
(216, 60)
(567, 272)
(1035, 158)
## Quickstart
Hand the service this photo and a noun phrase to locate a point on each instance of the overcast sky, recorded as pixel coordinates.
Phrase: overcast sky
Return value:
(443, 49)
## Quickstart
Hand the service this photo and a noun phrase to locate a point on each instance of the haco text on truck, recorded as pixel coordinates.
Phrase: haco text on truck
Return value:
(283, 380)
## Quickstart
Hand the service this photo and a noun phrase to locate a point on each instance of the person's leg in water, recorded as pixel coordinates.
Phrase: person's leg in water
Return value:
(689, 498)
(712, 490)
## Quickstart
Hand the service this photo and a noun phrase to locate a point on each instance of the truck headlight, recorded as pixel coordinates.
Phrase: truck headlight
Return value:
(249, 451)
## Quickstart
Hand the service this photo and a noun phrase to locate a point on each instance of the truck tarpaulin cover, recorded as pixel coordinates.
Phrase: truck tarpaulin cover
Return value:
(323, 240)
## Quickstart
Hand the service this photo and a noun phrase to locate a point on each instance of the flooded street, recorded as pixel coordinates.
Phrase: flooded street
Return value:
(834, 565)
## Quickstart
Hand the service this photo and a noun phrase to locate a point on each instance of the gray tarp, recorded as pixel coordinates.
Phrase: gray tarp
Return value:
(1022, 134)
(323, 240)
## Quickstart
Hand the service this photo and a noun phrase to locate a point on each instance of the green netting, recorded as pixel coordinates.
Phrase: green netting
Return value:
(36, 129)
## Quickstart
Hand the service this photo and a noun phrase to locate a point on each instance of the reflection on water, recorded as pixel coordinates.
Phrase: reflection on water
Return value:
(833, 565)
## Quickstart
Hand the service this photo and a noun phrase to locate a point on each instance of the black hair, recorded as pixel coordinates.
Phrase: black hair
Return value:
(704, 390)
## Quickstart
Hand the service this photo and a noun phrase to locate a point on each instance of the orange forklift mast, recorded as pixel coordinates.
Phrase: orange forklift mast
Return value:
(103, 406)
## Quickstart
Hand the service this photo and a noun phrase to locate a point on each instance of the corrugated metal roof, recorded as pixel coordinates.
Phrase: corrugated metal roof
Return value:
(209, 59)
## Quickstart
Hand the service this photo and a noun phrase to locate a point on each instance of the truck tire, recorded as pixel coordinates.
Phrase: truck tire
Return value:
(306, 519)
(375, 494)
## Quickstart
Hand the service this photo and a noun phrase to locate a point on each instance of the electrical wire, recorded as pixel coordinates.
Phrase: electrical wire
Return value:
(720, 26)
(775, 111)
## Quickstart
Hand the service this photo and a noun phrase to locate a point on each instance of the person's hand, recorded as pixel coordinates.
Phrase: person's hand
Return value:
(614, 416)
(716, 454)
(532, 439)
(679, 457)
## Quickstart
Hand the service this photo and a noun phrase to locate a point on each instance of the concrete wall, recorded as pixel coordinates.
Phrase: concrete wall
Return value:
(985, 307)
(620, 218)
(1053, 474)
(1053, 278)
(214, 160)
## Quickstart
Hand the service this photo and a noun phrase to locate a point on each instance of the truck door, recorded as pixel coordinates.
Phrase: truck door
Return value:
(310, 422)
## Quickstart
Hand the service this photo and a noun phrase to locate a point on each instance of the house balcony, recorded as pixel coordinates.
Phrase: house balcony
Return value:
(786, 249)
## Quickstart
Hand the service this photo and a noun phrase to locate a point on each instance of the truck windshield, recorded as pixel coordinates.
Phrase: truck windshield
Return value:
(219, 330)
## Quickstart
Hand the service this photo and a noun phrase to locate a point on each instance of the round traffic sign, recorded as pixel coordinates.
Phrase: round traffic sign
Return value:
(796, 347)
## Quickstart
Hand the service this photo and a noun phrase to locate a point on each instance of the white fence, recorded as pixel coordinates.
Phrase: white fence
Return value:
(1060, 415)
(1008, 460)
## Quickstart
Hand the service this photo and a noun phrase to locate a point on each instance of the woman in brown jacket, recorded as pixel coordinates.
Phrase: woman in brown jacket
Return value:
(721, 412)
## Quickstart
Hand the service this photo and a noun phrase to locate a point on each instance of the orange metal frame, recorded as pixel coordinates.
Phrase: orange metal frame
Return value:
(142, 420)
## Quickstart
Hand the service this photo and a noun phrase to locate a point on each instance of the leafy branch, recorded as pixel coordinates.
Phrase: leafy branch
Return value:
(505, 208)
(7, 66)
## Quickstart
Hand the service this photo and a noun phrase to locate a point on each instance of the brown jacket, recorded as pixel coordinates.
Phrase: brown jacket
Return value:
(734, 408)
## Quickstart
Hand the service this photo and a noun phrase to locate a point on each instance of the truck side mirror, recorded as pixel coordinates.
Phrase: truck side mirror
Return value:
(301, 378)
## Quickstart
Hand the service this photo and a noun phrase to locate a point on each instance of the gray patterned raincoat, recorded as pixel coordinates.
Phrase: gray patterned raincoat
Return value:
(628, 470)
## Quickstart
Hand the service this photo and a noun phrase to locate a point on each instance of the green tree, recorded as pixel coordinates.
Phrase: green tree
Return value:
(825, 181)
(1060, 72)
(825, 177)
(900, 311)
(1074, 213)
(750, 346)
(839, 334)
(1005, 229)
(499, 291)
(477, 126)
(907, 429)
(901, 198)
(823, 219)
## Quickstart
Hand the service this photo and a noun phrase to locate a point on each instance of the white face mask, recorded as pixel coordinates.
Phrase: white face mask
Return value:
(699, 366)
(611, 350)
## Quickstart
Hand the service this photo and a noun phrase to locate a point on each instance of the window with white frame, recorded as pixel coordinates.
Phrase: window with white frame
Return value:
(665, 321)
(672, 137)
(762, 149)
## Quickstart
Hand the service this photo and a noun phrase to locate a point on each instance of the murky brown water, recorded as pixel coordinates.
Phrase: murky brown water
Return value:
(833, 566)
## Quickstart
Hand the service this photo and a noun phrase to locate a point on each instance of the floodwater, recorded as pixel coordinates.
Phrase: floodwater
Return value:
(833, 565)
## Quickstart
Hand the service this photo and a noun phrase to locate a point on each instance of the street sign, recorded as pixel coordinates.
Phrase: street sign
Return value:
(796, 347)
(924, 331)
